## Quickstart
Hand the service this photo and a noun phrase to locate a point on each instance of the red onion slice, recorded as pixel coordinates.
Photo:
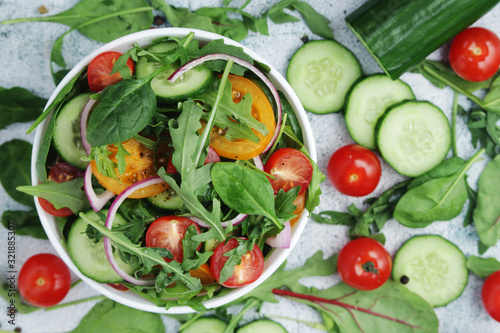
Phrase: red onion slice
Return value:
(83, 124)
(109, 223)
(283, 239)
(221, 56)
(96, 201)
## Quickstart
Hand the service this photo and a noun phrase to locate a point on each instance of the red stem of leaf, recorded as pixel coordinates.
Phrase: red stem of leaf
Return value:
(349, 307)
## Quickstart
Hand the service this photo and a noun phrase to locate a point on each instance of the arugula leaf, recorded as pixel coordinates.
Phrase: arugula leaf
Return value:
(67, 194)
(15, 157)
(112, 317)
(19, 105)
(244, 190)
(483, 267)
(283, 203)
(234, 258)
(25, 222)
(487, 211)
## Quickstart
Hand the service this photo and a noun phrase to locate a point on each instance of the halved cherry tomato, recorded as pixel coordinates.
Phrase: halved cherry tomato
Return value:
(490, 295)
(364, 264)
(242, 149)
(140, 165)
(59, 173)
(98, 72)
(354, 170)
(291, 168)
(168, 232)
(475, 54)
(44, 280)
(203, 273)
(249, 270)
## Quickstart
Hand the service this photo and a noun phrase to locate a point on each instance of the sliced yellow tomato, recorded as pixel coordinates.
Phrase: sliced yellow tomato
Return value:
(243, 149)
(139, 165)
(299, 202)
(203, 273)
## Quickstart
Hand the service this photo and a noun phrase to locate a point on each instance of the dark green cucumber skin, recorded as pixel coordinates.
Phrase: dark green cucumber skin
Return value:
(401, 33)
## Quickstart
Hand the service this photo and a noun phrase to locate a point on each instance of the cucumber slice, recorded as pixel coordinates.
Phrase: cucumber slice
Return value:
(192, 83)
(90, 257)
(321, 73)
(67, 137)
(413, 137)
(262, 325)
(167, 199)
(367, 101)
(206, 325)
(432, 267)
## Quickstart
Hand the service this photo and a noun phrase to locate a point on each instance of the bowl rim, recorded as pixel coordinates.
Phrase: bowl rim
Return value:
(129, 298)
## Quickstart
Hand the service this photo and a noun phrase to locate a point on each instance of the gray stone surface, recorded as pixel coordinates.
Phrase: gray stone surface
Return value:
(24, 61)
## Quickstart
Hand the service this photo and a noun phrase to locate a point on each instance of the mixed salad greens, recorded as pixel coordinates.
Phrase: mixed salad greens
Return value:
(185, 196)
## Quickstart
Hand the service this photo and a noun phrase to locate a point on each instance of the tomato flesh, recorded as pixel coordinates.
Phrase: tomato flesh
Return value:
(475, 54)
(44, 280)
(243, 149)
(290, 168)
(99, 70)
(354, 170)
(249, 270)
(168, 232)
(140, 165)
(59, 173)
(364, 264)
(490, 295)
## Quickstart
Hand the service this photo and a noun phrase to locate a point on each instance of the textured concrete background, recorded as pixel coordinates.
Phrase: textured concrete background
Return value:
(24, 61)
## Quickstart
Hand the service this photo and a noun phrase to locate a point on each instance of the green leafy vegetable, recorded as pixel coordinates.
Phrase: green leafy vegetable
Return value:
(25, 223)
(483, 267)
(19, 105)
(15, 157)
(487, 211)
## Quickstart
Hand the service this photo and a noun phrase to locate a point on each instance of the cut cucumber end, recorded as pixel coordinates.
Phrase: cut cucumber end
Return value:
(321, 73)
(413, 137)
(367, 101)
(431, 267)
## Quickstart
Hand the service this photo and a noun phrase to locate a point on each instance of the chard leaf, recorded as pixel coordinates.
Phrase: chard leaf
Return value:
(67, 194)
(245, 190)
(487, 211)
(109, 316)
(389, 308)
(19, 105)
(483, 267)
(124, 110)
(15, 158)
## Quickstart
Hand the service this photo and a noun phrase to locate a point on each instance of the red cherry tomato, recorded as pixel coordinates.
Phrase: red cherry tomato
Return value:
(291, 168)
(354, 170)
(475, 54)
(61, 172)
(98, 72)
(364, 264)
(168, 232)
(44, 280)
(491, 295)
(249, 270)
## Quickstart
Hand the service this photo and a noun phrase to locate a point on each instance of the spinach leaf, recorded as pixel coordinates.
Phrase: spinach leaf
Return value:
(127, 16)
(67, 194)
(483, 267)
(390, 308)
(487, 211)
(124, 110)
(492, 98)
(478, 121)
(19, 105)
(25, 223)
(112, 317)
(244, 190)
(218, 46)
(15, 157)
(439, 199)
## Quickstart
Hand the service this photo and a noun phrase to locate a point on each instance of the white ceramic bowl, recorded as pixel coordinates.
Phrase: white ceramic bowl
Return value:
(130, 298)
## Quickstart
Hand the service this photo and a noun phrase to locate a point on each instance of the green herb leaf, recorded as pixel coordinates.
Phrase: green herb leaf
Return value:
(487, 211)
(483, 267)
(15, 157)
(19, 105)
